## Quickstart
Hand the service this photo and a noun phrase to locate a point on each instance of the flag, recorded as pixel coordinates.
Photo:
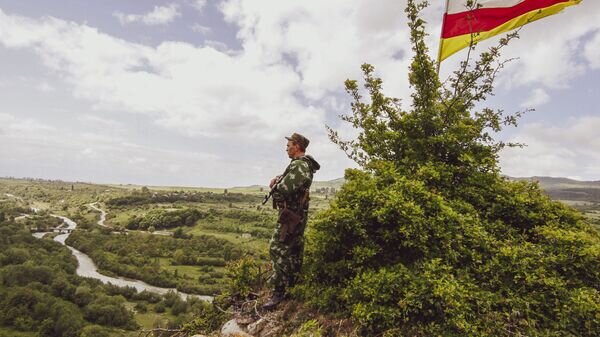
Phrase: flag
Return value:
(490, 18)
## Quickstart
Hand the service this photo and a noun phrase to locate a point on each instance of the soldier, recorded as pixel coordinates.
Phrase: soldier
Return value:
(290, 197)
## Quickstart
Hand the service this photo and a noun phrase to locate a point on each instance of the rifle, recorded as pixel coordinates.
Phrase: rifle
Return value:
(268, 196)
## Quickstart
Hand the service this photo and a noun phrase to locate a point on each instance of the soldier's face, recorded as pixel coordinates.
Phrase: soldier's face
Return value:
(292, 149)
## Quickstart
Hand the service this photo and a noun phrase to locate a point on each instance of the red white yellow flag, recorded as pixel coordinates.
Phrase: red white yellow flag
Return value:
(488, 18)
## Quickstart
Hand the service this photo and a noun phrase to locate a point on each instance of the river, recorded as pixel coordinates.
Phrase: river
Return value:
(87, 268)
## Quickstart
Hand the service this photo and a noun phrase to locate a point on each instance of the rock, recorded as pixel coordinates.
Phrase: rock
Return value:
(256, 327)
(244, 320)
(232, 329)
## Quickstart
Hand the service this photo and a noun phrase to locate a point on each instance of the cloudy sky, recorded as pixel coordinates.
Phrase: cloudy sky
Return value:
(202, 92)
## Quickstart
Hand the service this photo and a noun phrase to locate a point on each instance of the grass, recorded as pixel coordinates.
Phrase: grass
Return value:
(10, 332)
(251, 244)
(192, 272)
(148, 319)
(92, 216)
(120, 218)
(40, 205)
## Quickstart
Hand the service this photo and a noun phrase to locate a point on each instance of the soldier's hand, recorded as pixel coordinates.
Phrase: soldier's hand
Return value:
(273, 181)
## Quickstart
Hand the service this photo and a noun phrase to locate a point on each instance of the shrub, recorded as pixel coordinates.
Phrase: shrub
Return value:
(244, 276)
(159, 307)
(207, 319)
(427, 238)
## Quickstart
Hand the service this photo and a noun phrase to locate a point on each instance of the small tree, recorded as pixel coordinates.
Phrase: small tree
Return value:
(428, 238)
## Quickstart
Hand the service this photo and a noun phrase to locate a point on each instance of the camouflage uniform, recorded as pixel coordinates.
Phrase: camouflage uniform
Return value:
(287, 256)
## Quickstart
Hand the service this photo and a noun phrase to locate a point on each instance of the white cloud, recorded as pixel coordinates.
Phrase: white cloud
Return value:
(199, 5)
(43, 152)
(160, 15)
(198, 28)
(22, 126)
(538, 97)
(89, 152)
(327, 39)
(569, 150)
(592, 51)
(549, 50)
(45, 87)
(137, 160)
(189, 89)
(221, 47)
(6, 118)
(101, 122)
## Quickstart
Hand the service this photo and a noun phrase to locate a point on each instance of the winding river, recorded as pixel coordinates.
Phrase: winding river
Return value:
(87, 268)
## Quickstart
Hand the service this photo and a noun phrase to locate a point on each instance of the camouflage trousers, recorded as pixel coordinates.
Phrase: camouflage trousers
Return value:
(286, 257)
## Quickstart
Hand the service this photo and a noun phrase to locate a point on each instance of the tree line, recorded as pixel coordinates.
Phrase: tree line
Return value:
(160, 219)
(146, 197)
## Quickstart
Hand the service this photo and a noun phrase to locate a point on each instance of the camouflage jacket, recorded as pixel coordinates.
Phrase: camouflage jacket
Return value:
(297, 179)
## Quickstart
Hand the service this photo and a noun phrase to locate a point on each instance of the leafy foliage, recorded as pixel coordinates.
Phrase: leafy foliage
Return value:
(161, 218)
(428, 238)
(40, 292)
(245, 276)
(206, 319)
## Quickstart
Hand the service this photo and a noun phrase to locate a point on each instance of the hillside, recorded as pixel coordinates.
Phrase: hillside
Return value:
(558, 188)
(552, 183)
(568, 190)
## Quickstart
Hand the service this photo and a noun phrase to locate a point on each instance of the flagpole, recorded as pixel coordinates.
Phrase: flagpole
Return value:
(439, 61)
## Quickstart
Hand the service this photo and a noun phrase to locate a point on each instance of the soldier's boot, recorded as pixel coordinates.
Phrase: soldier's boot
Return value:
(276, 298)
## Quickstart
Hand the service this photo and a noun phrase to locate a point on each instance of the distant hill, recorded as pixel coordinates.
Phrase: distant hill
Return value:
(335, 183)
(560, 183)
(558, 188)
(568, 189)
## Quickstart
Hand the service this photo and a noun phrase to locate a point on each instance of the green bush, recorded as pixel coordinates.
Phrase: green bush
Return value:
(310, 328)
(207, 319)
(428, 238)
(94, 331)
(159, 307)
(110, 311)
(141, 307)
(244, 277)
(160, 219)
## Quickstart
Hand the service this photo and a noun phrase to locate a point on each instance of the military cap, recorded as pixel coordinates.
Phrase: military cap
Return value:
(299, 139)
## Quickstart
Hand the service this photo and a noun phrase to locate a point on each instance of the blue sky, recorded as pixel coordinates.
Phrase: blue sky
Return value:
(201, 93)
